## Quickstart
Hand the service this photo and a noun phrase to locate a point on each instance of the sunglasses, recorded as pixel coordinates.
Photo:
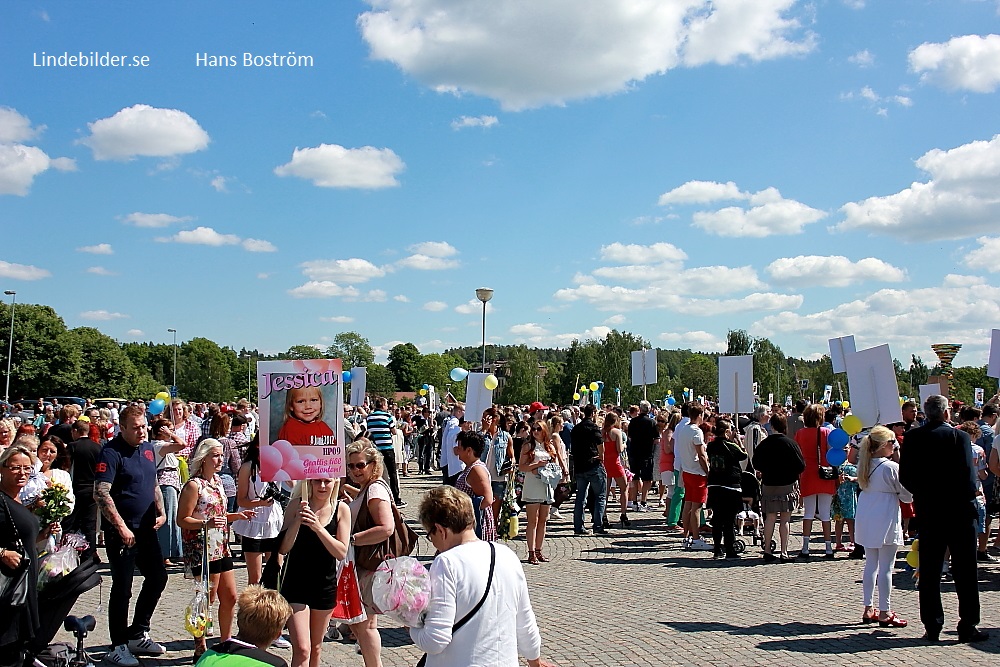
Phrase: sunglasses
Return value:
(20, 469)
(537, 428)
(358, 466)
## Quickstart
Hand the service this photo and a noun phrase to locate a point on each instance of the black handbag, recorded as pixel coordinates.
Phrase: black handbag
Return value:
(825, 472)
(14, 586)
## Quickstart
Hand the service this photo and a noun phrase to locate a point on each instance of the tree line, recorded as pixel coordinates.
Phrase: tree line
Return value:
(51, 359)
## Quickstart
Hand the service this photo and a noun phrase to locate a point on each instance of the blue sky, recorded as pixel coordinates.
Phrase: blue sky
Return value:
(674, 169)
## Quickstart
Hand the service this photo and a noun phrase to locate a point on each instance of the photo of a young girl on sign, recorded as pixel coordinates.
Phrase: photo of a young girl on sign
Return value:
(301, 408)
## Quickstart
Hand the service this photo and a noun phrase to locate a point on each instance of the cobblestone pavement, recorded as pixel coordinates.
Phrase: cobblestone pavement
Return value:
(634, 597)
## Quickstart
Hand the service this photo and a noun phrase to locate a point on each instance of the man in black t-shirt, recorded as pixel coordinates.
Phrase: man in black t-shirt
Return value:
(132, 507)
(84, 453)
(588, 452)
(642, 438)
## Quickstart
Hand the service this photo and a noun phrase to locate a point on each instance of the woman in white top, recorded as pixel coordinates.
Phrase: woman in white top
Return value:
(878, 526)
(538, 491)
(259, 534)
(504, 625)
(54, 457)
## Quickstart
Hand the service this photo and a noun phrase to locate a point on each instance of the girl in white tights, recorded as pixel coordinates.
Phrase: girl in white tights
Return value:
(878, 526)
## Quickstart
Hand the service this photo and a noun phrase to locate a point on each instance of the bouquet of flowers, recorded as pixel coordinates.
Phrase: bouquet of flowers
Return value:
(402, 590)
(53, 504)
(60, 558)
(509, 509)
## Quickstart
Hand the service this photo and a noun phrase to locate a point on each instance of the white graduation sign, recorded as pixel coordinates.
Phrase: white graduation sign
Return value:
(928, 390)
(839, 349)
(993, 367)
(736, 384)
(643, 367)
(359, 385)
(478, 398)
(874, 391)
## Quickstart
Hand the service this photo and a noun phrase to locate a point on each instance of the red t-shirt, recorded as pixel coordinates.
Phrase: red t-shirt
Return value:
(299, 432)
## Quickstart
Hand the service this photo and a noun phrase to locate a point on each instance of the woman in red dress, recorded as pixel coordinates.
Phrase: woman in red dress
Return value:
(817, 494)
(614, 445)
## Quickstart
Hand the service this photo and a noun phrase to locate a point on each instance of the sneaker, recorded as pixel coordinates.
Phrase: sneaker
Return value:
(145, 646)
(701, 545)
(643, 507)
(984, 557)
(121, 656)
(401, 504)
(281, 642)
(555, 513)
(630, 507)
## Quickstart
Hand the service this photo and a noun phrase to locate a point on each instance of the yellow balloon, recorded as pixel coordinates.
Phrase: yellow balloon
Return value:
(913, 558)
(583, 388)
(851, 424)
(163, 396)
(686, 389)
(915, 546)
(670, 392)
(576, 397)
(423, 392)
(594, 386)
(846, 404)
(901, 401)
(491, 382)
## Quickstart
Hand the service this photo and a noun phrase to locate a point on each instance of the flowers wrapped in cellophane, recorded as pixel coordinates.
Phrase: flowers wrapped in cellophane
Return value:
(60, 557)
(402, 590)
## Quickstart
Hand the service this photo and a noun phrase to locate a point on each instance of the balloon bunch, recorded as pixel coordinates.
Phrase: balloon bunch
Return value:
(158, 404)
(402, 589)
(280, 462)
(838, 439)
(913, 558)
(458, 374)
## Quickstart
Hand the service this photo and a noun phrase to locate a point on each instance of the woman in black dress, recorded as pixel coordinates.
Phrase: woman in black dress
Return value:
(318, 532)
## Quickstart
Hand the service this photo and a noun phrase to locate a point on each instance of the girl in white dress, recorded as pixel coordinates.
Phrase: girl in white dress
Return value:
(878, 525)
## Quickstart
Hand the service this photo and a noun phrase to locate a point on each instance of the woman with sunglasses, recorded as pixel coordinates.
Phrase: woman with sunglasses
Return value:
(365, 469)
(538, 492)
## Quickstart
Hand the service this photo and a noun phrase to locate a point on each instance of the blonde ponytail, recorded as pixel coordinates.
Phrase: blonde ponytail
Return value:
(869, 445)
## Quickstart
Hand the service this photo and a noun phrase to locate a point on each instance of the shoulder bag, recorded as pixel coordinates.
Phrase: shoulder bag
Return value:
(825, 472)
(468, 617)
(14, 586)
(402, 542)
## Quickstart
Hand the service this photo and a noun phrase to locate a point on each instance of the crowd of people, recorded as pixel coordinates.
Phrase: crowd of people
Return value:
(180, 488)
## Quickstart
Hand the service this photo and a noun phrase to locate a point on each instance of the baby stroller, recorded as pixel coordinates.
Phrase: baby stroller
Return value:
(55, 601)
(750, 517)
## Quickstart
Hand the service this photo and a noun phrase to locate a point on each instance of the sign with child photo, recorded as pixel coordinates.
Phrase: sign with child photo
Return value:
(301, 420)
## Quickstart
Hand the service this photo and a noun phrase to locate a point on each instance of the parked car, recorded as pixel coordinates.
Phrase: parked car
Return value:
(103, 402)
(66, 400)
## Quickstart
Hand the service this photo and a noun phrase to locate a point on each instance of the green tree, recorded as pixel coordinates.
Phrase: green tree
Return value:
(918, 373)
(380, 381)
(615, 367)
(105, 369)
(203, 372)
(967, 378)
(351, 348)
(701, 375)
(155, 360)
(434, 368)
(522, 373)
(46, 359)
(404, 364)
(738, 343)
(771, 370)
(304, 352)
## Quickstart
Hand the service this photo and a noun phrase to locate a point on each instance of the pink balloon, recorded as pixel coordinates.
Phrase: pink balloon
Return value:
(281, 476)
(295, 469)
(287, 451)
(270, 461)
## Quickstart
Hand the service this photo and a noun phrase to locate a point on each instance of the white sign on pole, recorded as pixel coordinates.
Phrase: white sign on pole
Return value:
(770, 399)
(478, 398)
(993, 367)
(839, 349)
(928, 390)
(359, 385)
(736, 384)
(827, 393)
(643, 367)
(874, 391)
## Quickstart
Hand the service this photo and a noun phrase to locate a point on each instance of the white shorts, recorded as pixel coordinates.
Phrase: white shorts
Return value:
(818, 505)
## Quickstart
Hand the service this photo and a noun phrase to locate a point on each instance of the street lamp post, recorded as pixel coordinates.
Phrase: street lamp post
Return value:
(174, 332)
(484, 294)
(10, 348)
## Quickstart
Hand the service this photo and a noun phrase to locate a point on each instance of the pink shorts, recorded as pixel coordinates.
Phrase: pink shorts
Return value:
(695, 488)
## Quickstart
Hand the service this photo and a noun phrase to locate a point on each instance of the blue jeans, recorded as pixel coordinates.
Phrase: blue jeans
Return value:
(169, 534)
(599, 479)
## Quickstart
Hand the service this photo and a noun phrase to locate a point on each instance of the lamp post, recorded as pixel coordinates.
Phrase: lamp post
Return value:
(174, 332)
(10, 348)
(484, 294)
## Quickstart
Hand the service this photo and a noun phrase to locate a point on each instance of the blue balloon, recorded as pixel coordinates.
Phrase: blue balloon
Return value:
(836, 457)
(458, 374)
(426, 386)
(671, 400)
(156, 407)
(345, 376)
(838, 438)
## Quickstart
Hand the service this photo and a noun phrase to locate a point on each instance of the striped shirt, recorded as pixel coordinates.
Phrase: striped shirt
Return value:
(380, 425)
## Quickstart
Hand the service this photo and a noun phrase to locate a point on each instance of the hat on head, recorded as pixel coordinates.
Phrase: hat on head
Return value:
(536, 406)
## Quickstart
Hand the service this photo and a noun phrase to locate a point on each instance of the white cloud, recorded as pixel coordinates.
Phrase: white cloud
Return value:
(615, 297)
(528, 329)
(986, 256)
(202, 236)
(257, 245)
(22, 271)
(333, 166)
(643, 254)
(15, 128)
(134, 333)
(263, 276)
(427, 263)
(474, 121)
(219, 183)
(402, 298)
(101, 271)
(615, 320)
(862, 59)
(348, 271)
(961, 198)
(102, 315)
(154, 219)
(20, 164)
(99, 249)
(338, 319)
(434, 249)
(778, 216)
(435, 306)
(970, 62)
(548, 52)
(701, 192)
(142, 130)
(877, 102)
(373, 295)
(473, 306)
(699, 341)
(831, 271)
(321, 289)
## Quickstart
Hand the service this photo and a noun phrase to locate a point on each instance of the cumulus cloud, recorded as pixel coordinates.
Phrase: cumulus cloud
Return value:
(473, 306)
(701, 192)
(322, 289)
(434, 249)
(986, 256)
(257, 245)
(338, 319)
(831, 271)
(142, 130)
(16, 128)
(154, 219)
(551, 51)
(615, 320)
(642, 254)
(664, 297)
(464, 122)
(134, 333)
(349, 271)
(102, 315)
(862, 59)
(19, 164)
(22, 271)
(528, 329)
(430, 256)
(960, 199)
(99, 249)
(202, 236)
(435, 306)
(877, 102)
(402, 298)
(333, 166)
(699, 341)
(970, 62)
(101, 271)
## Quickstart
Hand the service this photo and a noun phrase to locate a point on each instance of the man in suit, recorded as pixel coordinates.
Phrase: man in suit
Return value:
(935, 465)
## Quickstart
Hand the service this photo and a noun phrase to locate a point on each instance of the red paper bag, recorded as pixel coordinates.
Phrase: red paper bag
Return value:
(348, 607)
